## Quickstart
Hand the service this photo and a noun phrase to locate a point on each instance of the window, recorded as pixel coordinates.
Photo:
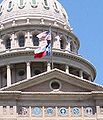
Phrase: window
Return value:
(35, 40)
(33, 2)
(8, 43)
(62, 44)
(21, 73)
(10, 6)
(21, 4)
(21, 40)
(55, 7)
(55, 85)
(10, 3)
(46, 4)
(0, 9)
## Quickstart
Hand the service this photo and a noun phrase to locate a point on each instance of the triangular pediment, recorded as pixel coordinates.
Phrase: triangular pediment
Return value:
(42, 83)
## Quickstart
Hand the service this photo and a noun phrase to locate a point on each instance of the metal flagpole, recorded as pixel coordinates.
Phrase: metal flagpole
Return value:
(51, 49)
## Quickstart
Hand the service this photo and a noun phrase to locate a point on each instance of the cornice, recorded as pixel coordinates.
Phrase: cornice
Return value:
(56, 53)
(18, 95)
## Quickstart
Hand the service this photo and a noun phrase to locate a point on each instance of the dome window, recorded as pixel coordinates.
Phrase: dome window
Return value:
(46, 4)
(21, 4)
(55, 7)
(8, 43)
(1, 9)
(21, 40)
(34, 3)
(35, 40)
(10, 6)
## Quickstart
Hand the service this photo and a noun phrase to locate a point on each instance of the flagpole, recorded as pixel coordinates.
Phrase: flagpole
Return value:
(51, 50)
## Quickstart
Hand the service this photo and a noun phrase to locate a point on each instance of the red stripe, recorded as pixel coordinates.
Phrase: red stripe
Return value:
(40, 55)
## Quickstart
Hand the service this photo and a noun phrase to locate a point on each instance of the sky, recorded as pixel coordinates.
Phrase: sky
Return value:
(86, 17)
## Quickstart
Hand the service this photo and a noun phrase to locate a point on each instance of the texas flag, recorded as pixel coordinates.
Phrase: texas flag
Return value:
(42, 51)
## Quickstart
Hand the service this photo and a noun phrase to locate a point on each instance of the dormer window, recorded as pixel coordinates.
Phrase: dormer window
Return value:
(21, 40)
(10, 6)
(8, 43)
(46, 4)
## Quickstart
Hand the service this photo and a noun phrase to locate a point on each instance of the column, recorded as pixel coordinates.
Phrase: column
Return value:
(48, 66)
(28, 70)
(97, 111)
(81, 74)
(67, 69)
(8, 76)
(28, 40)
(68, 44)
(13, 41)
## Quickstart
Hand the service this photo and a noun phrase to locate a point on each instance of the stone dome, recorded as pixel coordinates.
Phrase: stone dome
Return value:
(43, 10)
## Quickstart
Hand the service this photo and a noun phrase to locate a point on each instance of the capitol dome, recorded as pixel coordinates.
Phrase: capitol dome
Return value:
(37, 11)
(20, 23)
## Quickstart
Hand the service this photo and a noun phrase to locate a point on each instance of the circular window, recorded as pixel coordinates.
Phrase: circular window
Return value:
(36, 72)
(21, 73)
(55, 85)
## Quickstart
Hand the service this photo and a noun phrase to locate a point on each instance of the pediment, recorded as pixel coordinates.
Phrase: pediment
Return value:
(41, 83)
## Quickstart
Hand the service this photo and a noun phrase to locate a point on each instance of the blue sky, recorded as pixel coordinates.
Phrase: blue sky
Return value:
(86, 19)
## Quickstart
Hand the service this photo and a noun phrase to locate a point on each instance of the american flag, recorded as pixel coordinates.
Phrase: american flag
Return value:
(44, 36)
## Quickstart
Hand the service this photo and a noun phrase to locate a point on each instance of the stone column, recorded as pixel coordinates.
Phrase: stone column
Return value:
(48, 66)
(67, 69)
(28, 70)
(13, 44)
(28, 40)
(68, 44)
(81, 74)
(97, 111)
(8, 76)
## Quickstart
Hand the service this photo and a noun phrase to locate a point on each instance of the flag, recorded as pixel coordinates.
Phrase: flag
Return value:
(46, 35)
(40, 52)
(48, 50)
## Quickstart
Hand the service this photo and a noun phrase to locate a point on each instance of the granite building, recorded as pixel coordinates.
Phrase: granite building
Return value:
(36, 89)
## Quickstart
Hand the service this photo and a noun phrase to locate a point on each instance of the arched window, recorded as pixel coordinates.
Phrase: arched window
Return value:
(8, 43)
(35, 40)
(21, 40)
(62, 44)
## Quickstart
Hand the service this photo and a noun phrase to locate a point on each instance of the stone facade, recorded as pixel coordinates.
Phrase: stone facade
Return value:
(50, 88)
